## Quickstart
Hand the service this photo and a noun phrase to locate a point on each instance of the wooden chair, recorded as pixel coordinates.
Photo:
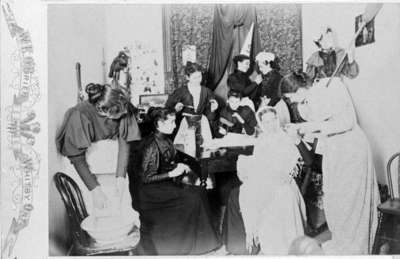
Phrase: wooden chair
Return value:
(388, 232)
(83, 244)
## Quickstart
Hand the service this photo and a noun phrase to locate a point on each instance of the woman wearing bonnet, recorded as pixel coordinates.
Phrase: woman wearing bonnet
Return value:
(350, 187)
(323, 62)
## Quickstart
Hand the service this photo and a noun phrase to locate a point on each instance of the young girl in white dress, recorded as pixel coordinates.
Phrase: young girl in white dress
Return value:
(271, 204)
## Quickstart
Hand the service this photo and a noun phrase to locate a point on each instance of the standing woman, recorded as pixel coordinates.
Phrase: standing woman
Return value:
(271, 78)
(107, 114)
(239, 80)
(193, 97)
(350, 187)
(174, 219)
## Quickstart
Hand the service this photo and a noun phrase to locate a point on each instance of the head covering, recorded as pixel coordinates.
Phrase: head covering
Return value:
(323, 31)
(265, 57)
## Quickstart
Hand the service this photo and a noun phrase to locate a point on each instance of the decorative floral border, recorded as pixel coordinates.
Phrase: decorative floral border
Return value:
(21, 129)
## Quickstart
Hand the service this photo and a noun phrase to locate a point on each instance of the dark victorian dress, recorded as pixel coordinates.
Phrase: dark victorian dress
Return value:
(183, 95)
(174, 218)
(270, 87)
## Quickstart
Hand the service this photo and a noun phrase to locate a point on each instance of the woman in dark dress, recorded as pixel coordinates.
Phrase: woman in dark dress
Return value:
(236, 118)
(239, 80)
(269, 87)
(107, 114)
(193, 98)
(174, 219)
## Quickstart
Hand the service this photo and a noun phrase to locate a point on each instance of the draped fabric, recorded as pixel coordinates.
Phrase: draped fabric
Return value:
(231, 25)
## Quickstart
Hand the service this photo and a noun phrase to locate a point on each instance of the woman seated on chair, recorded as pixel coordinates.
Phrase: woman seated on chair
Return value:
(174, 218)
(107, 114)
(193, 97)
(278, 216)
(236, 118)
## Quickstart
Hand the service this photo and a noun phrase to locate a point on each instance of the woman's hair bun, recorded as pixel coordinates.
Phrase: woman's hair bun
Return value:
(95, 92)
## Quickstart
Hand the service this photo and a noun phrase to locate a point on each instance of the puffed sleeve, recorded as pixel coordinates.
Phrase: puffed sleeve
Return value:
(129, 129)
(150, 164)
(313, 62)
(75, 134)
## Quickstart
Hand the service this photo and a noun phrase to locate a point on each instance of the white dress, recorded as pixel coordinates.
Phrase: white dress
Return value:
(271, 204)
(350, 188)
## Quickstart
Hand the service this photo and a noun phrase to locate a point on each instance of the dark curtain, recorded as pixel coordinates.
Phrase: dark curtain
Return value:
(230, 28)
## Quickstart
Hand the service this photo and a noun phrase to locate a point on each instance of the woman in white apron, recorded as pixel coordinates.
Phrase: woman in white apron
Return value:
(350, 187)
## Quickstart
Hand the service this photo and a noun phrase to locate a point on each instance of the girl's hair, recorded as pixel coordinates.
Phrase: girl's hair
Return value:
(234, 93)
(113, 100)
(156, 114)
(191, 67)
(295, 80)
(264, 110)
(239, 58)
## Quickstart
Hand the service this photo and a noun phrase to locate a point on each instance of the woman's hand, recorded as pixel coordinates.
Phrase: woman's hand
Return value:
(180, 169)
(100, 201)
(238, 117)
(258, 79)
(308, 128)
(178, 107)
(292, 131)
(214, 105)
(222, 131)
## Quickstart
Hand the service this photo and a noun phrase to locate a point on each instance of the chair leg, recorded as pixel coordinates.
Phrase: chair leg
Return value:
(377, 239)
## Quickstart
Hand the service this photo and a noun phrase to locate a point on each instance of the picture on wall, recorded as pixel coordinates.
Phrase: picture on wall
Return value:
(367, 34)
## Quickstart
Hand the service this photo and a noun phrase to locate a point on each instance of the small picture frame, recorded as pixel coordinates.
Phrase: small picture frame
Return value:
(188, 54)
(153, 100)
(367, 34)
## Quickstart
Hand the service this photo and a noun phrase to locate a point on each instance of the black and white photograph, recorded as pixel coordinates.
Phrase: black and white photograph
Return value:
(367, 34)
(213, 129)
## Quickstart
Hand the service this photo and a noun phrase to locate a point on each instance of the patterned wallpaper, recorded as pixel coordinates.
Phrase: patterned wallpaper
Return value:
(279, 28)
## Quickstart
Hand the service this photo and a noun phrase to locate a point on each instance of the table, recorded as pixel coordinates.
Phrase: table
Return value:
(222, 159)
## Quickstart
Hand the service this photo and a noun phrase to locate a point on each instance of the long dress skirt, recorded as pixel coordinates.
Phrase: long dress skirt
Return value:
(175, 220)
(351, 193)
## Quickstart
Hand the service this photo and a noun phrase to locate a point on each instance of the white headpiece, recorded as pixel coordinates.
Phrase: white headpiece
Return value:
(265, 56)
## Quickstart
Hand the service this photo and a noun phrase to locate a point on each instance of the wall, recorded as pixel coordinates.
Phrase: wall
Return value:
(80, 33)
(377, 88)
(69, 41)
(138, 27)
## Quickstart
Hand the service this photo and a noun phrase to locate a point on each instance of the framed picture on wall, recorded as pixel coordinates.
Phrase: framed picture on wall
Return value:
(156, 100)
(367, 35)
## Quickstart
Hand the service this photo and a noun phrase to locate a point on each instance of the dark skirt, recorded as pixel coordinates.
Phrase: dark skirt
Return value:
(175, 220)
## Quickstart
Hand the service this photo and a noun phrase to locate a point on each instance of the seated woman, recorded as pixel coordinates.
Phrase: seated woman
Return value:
(236, 118)
(193, 98)
(271, 208)
(107, 114)
(174, 219)
(278, 217)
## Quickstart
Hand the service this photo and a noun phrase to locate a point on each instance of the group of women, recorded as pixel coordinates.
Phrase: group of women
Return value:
(265, 211)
